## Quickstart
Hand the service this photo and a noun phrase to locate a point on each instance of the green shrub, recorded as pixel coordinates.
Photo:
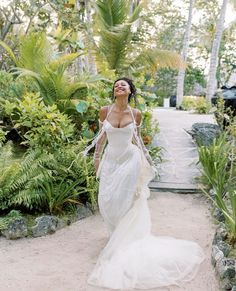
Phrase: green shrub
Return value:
(214, 160)
(198, 104)
(11, 88)
(149, 128)
(2, 137)
(47, 182)
(218, 169)
(224, 115)
(188, 102)
(41, 126)
(202, 106)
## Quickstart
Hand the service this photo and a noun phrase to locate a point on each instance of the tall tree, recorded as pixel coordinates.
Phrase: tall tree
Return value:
(211, 82)
(181, 74)
(121, 43)
(91, 57)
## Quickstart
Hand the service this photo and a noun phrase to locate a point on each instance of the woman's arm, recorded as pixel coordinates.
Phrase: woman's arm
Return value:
(102, 140)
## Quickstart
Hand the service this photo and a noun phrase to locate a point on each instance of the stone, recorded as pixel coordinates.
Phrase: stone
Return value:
(221, 233)
(226, 284)
(226, 268)
(16, 229)
(204, 133)
(83, 212)
(224, 247)
(47, 224)
(216, 255)
(219, 215)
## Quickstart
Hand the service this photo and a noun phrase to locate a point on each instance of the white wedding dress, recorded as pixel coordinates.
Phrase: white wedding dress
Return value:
(133, 257)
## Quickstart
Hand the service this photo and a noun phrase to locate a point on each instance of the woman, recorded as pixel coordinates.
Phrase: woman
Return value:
(132, 258)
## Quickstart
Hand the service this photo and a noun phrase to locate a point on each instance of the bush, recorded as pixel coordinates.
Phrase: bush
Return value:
(214, 160)
(40, 126)
(149, 128)
(188, 103)
(198, 104)
(219, 164)
(47, 182)
(2, 137)
(10, 88)
(202, 106)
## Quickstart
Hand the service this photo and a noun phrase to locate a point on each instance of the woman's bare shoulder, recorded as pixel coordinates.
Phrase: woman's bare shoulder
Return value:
(103, 112)
(137, 115)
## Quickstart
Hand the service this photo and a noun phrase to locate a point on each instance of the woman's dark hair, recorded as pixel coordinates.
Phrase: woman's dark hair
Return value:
(131, 86)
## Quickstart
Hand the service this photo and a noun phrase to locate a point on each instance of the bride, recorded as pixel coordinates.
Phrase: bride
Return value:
(133, 257)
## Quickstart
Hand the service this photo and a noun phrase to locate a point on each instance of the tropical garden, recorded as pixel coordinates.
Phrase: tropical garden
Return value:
(58, 61)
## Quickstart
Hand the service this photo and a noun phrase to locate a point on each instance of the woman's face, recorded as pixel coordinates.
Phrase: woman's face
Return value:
(121, 88)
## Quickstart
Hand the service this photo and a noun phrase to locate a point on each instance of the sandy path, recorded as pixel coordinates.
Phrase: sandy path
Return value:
(62, 261)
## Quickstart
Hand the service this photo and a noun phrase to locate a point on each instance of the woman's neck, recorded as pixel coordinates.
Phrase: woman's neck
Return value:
(121, 105)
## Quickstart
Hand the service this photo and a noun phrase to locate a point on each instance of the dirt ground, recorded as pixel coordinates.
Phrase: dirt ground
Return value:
(63, 261)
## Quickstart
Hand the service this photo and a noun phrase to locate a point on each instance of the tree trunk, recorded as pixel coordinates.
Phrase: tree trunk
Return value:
(211, 83)
(91, 57)
(181, 74)
(79, 66)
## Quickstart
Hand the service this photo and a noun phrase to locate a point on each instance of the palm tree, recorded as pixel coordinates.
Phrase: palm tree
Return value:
(119, 44)
(91, 57)
(37, 60)
(211, 83)
(181, 74)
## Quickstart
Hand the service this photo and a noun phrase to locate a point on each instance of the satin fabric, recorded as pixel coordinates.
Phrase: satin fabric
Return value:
(133, 257)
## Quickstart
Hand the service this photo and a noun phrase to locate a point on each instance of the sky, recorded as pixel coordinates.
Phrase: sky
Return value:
(229, 17)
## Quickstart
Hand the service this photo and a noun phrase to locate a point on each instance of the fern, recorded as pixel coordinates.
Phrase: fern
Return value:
(19, 180)
(47, 182)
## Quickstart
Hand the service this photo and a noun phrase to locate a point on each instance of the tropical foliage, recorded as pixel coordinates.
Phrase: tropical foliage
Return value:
(43, 181)
(36, 59)
(198, 104)
(218, 164)
(121, 43)
(39, 125)
(50, 97)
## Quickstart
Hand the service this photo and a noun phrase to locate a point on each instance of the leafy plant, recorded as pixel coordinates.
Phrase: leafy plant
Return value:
(202, 106)
(2, 137)
(123, 48)
(198, 104)
(19, 179)
(46, 182)
(214, 160)
(56, 195)
(41, 126)
(10, 88)
(224, 115)
(218, 168)
(188, 102)
(149, 128)
(36, 60)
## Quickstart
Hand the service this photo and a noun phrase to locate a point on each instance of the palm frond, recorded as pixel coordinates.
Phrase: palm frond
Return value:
(21, 72)
(136, 13)
(112, 12)
(64, 61)
(10, 52)
(115, 44)
(114, 22)
(154, 59)
(35, 51)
